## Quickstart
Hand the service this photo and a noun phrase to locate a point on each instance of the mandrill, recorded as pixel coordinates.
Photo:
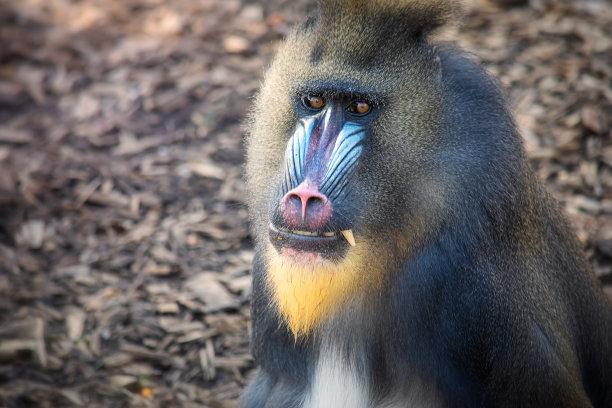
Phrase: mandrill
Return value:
(406, 254)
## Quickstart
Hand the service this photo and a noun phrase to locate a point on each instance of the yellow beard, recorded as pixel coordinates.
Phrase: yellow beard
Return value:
(307, 289)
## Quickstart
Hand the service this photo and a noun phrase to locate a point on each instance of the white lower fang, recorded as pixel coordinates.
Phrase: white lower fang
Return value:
(348, 234)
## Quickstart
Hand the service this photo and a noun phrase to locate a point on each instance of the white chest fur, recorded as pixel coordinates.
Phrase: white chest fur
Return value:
(337, 384)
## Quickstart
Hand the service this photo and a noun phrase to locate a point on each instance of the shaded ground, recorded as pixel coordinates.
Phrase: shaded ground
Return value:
(124, 249)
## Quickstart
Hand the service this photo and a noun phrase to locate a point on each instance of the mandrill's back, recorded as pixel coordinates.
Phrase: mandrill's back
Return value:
(539, 325)
(406, 254)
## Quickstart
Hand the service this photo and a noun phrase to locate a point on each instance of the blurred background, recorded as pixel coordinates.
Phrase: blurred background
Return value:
(124, 243)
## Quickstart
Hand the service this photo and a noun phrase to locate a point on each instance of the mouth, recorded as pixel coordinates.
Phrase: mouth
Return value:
(330, 244)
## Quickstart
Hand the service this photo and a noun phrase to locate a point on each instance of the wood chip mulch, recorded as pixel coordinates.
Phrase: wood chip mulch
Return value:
(124, 244)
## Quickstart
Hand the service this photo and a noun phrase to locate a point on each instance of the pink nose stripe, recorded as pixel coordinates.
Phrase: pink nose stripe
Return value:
(306, 206)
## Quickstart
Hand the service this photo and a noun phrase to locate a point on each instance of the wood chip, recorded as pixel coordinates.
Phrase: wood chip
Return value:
(75, 322)
(23, 336)
(168, 308)
(206, 287)
(208, 170)
(17, 136)
(235, 44)
(207, 361)
(31, 234)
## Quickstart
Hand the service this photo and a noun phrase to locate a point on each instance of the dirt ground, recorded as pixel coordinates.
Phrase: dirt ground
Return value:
(124, 242)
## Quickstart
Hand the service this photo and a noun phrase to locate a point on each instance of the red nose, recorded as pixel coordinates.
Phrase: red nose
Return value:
(306, 206)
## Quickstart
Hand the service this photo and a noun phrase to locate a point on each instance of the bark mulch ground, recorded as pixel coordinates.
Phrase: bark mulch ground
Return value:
(124, 244)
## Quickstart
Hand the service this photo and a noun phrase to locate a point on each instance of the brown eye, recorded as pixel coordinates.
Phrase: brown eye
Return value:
(359, 107)
(314, 102)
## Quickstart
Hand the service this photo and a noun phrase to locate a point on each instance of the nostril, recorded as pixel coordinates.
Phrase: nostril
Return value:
(314, 200)
(294, 200)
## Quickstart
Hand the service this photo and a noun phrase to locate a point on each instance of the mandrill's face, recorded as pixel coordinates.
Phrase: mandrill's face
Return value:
(331, 174)
(313, 219)
(313, 256)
